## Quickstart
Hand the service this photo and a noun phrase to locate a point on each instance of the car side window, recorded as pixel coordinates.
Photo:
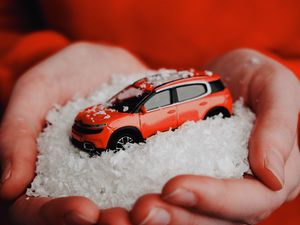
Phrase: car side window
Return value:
(190, 91)
(158, 100)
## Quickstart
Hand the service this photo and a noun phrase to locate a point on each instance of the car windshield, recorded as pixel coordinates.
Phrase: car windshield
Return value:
(127, 99)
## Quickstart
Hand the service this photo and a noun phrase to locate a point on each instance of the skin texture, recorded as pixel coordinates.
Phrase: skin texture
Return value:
(186, 199)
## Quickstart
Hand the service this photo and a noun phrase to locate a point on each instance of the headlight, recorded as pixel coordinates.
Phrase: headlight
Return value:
(90, 126)
(88, 129)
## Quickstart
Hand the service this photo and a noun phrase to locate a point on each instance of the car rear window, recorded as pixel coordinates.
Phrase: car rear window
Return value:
(190, 91)
(216, 86)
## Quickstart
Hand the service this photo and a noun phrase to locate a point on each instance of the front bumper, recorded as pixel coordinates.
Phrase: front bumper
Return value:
(87, 147)
(98, 140)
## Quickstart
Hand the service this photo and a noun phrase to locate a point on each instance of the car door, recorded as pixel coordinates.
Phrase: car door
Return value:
(159, 114)
(192, 102)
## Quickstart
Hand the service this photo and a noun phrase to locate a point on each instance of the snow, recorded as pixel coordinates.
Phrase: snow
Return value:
(128, 93)
(165, 75)
(214, 147)
(107, 116)
(125, 108)
(208, 73)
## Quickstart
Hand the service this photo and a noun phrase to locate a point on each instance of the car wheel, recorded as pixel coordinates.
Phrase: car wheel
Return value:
(120, 141)
(217, 111)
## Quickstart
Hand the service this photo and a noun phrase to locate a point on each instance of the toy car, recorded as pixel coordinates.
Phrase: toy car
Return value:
(155, 103)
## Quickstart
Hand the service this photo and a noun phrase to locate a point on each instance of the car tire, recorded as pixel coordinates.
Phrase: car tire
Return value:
(216, 111)
(118, 141)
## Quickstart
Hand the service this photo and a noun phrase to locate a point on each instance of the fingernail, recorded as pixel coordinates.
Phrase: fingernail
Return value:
(157, 216)
(182, 196)
(6, 173)
(75, 218)
(275, 164)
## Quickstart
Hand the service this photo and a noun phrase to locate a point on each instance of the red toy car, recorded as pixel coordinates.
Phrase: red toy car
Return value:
(159, 102)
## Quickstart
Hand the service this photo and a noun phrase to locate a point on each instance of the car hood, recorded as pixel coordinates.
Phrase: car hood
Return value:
(98, 114)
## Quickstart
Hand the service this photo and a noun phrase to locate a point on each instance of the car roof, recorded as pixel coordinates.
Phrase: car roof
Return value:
(165, 78)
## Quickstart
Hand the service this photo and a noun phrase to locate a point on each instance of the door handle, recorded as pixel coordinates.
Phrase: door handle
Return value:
(202, 103)
(171, 111)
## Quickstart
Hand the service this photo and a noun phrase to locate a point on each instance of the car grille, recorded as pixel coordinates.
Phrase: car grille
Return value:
(85, 129)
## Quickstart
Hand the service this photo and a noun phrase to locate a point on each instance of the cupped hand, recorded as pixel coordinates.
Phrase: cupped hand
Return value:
(76, 70)
(273, 93)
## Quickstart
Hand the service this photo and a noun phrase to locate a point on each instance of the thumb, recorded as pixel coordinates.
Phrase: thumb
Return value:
(275, 128)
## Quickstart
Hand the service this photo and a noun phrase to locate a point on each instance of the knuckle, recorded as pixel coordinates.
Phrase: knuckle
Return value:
(241, 62)
(245, 52)
(182, 181)
(271, 77)
(246, 57)
(148, 200)
(82, 46)
(269, 67)
(178, 180)
(29, 79)
(173, 183)
(143, 206)
(83, 51)
(79, 46)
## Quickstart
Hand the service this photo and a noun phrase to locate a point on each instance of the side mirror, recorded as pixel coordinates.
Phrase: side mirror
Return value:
(143, 109)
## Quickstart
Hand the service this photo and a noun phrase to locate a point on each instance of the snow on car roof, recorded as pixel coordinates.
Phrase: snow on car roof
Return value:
(165, 76)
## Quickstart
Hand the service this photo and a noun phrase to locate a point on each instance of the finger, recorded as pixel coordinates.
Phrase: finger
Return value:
(244, 200)
(152, 210)
(275, 128)
(228, 199)
(21, 124)
(272, 91)
(60, 211)
(114, 216)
